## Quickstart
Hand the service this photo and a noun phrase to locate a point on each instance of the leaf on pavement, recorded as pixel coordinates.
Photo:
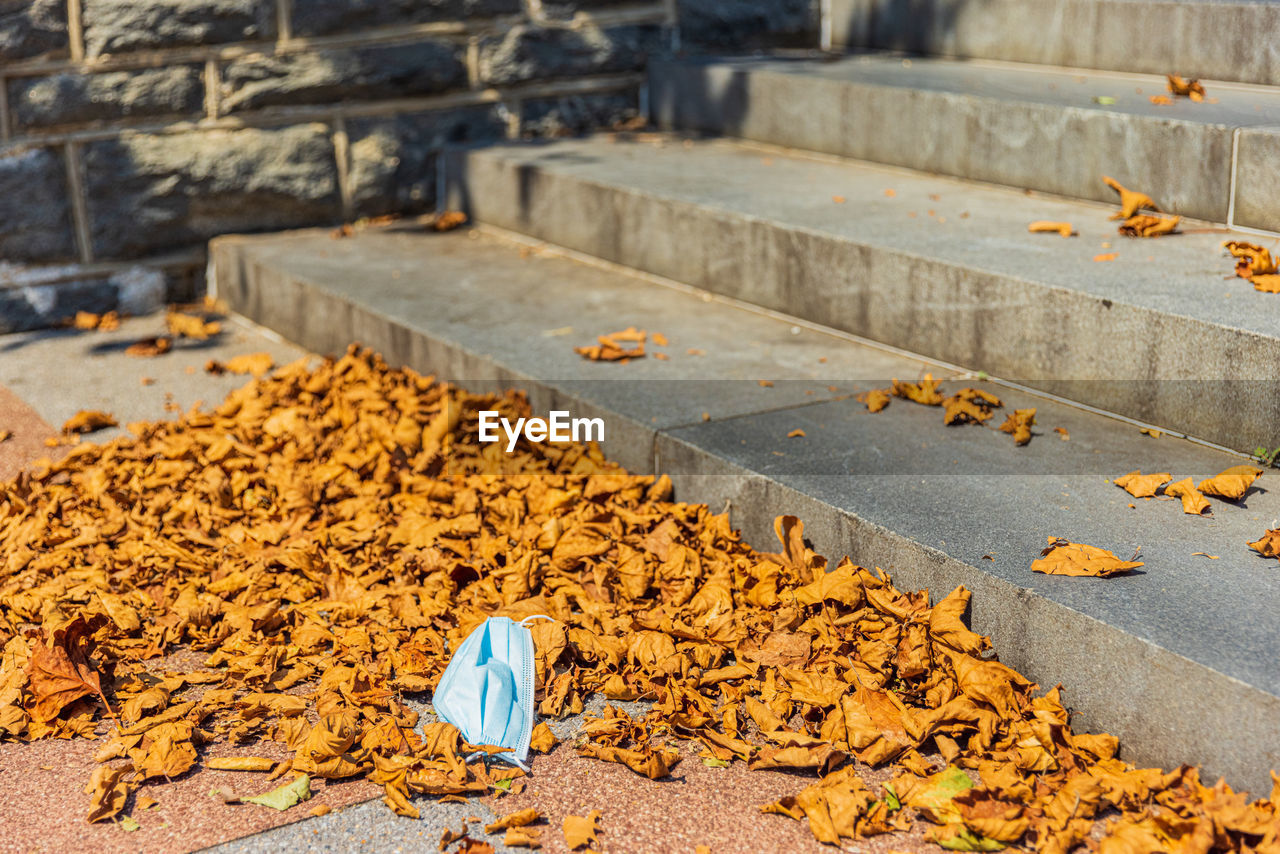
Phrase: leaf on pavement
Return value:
(88, 421)
(1231, 484)
(924, 392)
(1184, 88)
(1018, 423)
(876, 399)
(1063, 557)
(614, 347)
(1141, 485)
(255, 364)
(241, 763)
(1251, 259)
(59, 671)
(1145, 225)
(109, 789)
(581, 832)
(969, 406)
(1045, 227)
(182, 325)
(1269, 544)
(283, 797)
(153, 346)
(543, 739)
(515, 819)
(1193, 501)
(1131, 201)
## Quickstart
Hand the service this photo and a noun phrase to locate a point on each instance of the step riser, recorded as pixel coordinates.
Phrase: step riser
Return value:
(1029, 146)
(1165, 708)
(1058, 341)
(1222, 41)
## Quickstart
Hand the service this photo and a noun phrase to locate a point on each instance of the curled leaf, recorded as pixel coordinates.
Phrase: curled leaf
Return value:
(1231, 484)
(1018, 423)
(1045, 227)
(1063, 557)
(1131, 201)
(1141, 485)
(1193, 501)
(87, 421)
(1268, 545)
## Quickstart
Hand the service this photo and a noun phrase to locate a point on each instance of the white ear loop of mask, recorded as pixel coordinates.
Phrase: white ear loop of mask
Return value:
(536, 617)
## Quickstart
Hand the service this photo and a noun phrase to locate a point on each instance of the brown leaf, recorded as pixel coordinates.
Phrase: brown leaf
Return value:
(60, 672)
(1185, 88)
(257, 364)
(1268, 545)
(969, 406)
(515, 819)
(88, 421)
(581, 832)
(154, 346)
(1145, 225)
(1232, 484)
(1141, 485)
(109, 787)
(1066, 558)
(448, 221)
(1041, 226)
(796, 434)
(876, 399)
(1106, 256)
(1251, 259)
(182, 325)
(924, 392)
(613, 347)
(1131, 201)
(1018, 423)
(1268, 283)
(1192, 501)
(240, 763)
(543, 739)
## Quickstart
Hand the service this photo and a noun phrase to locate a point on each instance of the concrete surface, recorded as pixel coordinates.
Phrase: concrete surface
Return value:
(1197, 38)
(1163, 333)
(989, 122)
(60, 372)
(1168, 658)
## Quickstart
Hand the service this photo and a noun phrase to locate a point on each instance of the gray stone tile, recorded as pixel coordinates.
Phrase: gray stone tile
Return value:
(966, 284)
(1258, 178)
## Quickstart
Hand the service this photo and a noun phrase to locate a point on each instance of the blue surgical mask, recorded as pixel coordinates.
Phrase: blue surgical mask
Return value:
(487, 689)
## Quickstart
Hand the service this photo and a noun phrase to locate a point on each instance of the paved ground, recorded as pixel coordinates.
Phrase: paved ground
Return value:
(42, 804)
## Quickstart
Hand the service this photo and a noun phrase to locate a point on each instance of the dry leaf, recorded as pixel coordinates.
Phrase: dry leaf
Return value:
(515, 819)
(1268, 283)
(876, 399)
(580, 832)
(88, 421)
(109, 788)
(241, 763)
(1204, 554)
(1231, 484)
(1185, 88)
(1161, 100)
(183, 325)
(1131, 201)
(1076, 559)
(448, 221)
(659, 340)
(796, 434)
(1268, 545)
(924, 392)
(1192, 501)
(1150, 431)
(255, 364)
(319, 810)
(523, 837)
(613, 347)
(1106, 256)
(1141, 485)
(1041, 226)
(1062, 433)
(543, 739)
(60, 672)
(1145, 225)
(969, 406)
(1019, 424)
(154, 346)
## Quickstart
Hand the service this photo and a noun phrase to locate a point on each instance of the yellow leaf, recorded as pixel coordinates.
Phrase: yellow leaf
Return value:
(1141, 485)
(581, 832)
(1066, 558)
(1131, 201)
(1045, 227)
(1231, 484)
(241, 763)
(88, 421)
(1192, 501)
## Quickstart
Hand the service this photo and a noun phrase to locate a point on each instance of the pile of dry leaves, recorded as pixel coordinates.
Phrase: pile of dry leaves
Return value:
(325, 536)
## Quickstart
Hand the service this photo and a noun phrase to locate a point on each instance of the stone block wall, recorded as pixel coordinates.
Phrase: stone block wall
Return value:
(132, 131)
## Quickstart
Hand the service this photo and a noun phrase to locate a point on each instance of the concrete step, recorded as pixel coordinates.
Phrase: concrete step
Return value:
(929, 264)
(1178, 659)
(1223, 39)
(1025, 126)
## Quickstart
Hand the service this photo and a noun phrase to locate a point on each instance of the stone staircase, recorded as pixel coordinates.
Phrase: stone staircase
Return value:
(773, 255)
